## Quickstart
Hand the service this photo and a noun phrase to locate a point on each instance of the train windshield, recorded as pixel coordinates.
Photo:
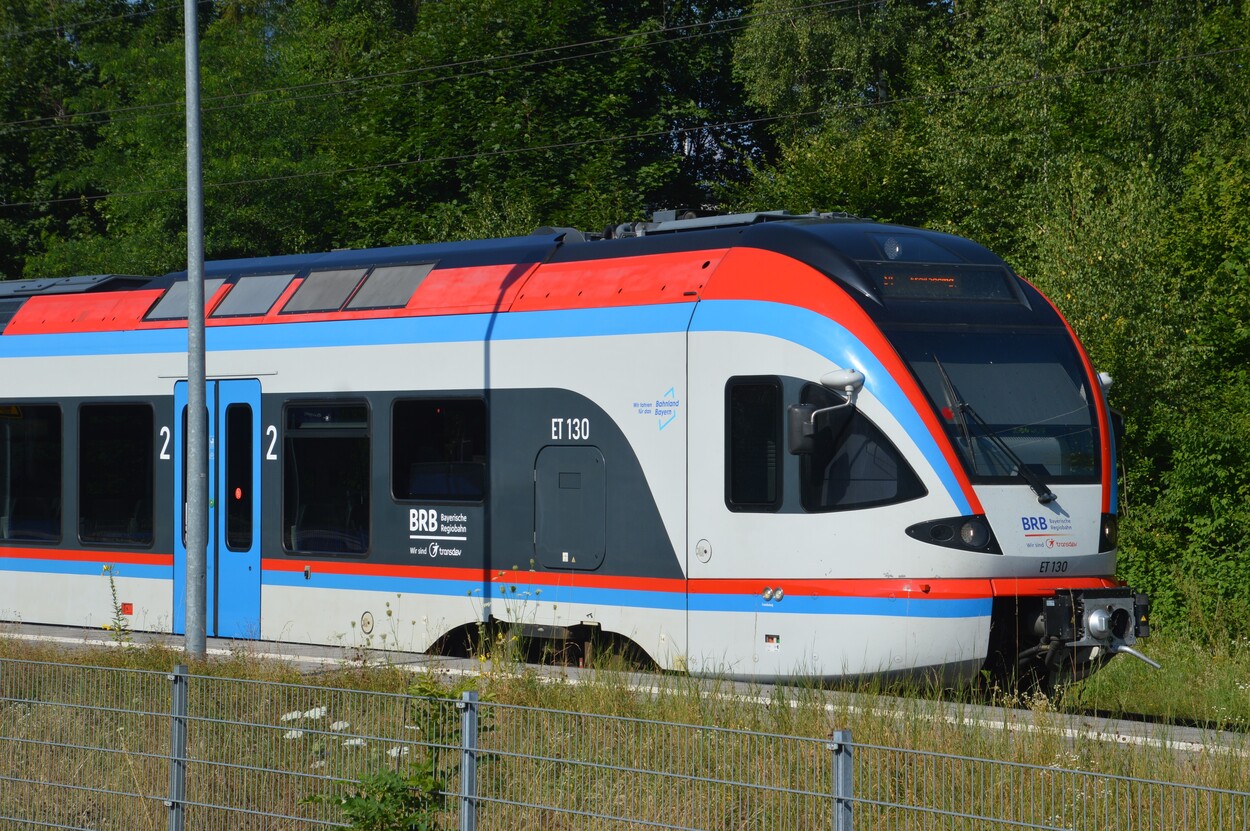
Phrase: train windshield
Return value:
(1009, 399)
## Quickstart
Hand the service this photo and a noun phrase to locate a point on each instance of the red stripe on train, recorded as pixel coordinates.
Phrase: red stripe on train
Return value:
(946, 589)
(131, 557)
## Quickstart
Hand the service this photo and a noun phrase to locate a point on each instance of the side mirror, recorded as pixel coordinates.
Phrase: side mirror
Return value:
(801, 418)
(846, 381)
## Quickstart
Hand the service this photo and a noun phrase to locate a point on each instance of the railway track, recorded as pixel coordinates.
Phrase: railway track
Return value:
(1128, 729)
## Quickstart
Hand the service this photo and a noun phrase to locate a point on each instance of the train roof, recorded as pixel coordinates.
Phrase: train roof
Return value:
(14, 293)
(491, 275)
(70, 285)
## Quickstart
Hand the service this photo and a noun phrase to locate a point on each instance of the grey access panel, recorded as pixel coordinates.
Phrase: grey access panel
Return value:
(570, 507)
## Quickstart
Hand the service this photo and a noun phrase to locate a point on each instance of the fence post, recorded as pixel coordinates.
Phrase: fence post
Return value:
(843, 781)
(468, 760)
(177, 748)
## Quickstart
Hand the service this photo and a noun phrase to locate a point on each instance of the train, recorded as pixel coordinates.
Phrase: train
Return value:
(759, 446)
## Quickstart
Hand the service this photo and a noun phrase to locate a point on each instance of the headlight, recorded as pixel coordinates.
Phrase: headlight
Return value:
(1109, 533)
(974, 533)
(966, 533)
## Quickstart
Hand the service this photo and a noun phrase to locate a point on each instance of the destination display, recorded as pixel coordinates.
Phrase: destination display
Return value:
(924, 281)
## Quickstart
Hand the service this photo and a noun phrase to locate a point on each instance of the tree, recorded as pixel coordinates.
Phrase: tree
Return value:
(259, 144)
(507, 117)
(375, 122)
(42, 71)
(838, 83)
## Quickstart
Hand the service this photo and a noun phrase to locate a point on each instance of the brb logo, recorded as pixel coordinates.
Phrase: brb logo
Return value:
(423, 519)
(1034, 523)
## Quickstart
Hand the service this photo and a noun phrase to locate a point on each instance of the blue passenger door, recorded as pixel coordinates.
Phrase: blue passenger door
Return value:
(234, 469)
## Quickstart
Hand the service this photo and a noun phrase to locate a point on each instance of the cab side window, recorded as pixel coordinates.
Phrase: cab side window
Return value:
(853, 464)
(753, 434)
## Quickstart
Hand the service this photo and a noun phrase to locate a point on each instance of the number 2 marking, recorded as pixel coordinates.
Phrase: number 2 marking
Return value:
(272, 432)
(165, 447)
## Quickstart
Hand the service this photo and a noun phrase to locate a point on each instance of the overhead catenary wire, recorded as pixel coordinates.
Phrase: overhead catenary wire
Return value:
(62, 122)
(141, 111)
(673, 131)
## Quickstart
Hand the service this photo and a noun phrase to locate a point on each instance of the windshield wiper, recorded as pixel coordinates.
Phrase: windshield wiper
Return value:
(956, 406)
(960, 407)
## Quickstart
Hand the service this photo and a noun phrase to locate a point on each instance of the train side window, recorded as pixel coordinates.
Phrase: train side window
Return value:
(753, 418)
(30, 457)
(173, 305)
(439, 449)
(324, 291)
(9, 307)
(115, 474)
(390, 287)
(853, 464)
(253, 295)
(325, 478)
(239, 474)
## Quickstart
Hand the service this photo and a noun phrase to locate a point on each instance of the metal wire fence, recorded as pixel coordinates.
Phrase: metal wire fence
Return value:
(102, 748)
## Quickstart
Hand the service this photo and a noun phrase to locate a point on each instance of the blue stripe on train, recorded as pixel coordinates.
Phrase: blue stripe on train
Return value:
(785, 322)
(87, 567)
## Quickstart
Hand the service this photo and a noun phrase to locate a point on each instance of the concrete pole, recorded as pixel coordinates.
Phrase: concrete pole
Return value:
(197, 423)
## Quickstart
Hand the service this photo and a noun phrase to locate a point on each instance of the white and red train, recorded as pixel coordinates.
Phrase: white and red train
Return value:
(761, 446)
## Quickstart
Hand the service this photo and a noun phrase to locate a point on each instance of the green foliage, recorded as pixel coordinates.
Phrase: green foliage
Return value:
(118, 625)
(371, 123)
(41, 75)
(392, 801)
(846, 144)
(414, 798)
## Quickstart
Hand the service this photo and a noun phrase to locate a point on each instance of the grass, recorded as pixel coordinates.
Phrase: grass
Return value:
(1205, 685)
(682, 751)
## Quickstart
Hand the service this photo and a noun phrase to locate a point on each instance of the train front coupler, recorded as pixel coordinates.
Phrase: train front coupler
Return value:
(1110, 619)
